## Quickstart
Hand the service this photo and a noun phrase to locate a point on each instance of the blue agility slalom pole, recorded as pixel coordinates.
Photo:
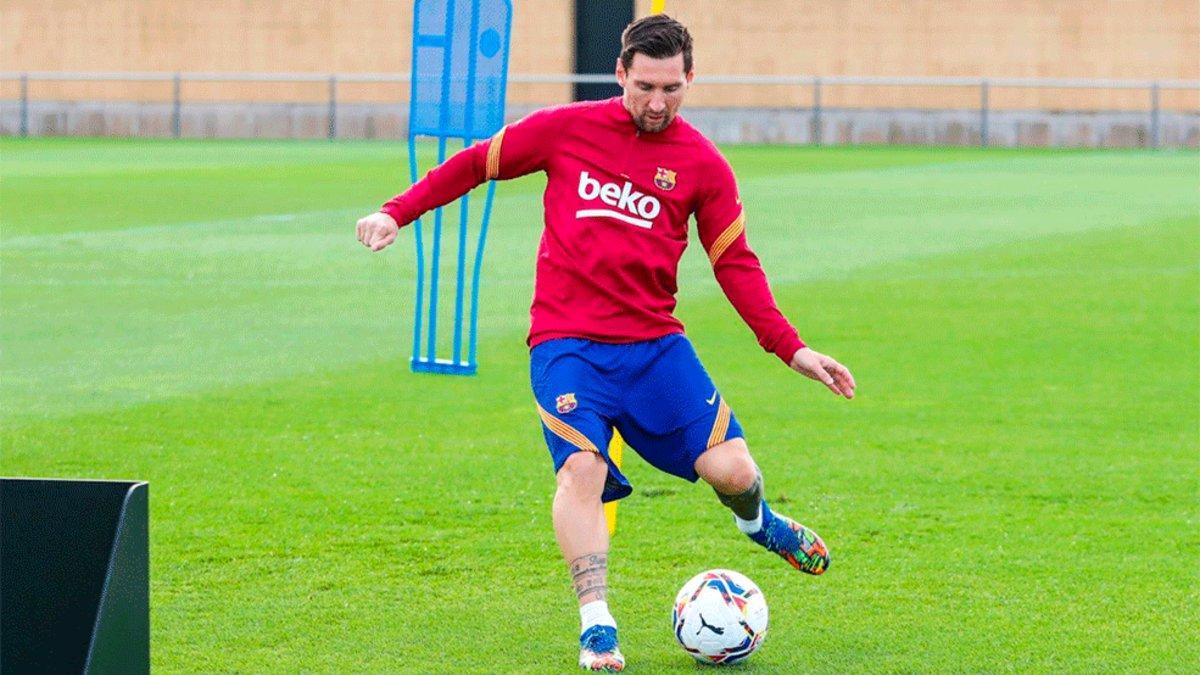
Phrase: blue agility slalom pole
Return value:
(459, 82)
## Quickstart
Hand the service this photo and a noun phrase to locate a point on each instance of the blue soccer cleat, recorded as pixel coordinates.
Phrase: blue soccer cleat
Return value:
(598, 650)
(795, 543)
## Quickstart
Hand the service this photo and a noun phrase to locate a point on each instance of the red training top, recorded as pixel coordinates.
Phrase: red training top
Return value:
(617, 203)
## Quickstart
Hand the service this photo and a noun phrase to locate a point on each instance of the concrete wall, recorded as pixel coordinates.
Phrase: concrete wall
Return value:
(724, 125)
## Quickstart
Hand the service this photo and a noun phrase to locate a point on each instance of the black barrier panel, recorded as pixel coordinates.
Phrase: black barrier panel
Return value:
(598, 27)
(74, 576)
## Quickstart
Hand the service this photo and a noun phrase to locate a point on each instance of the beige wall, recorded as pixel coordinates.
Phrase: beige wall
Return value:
(1126, 39)
(1119, 39)
(298, 36)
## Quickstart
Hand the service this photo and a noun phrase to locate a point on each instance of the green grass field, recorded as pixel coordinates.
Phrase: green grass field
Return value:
(1016, 487)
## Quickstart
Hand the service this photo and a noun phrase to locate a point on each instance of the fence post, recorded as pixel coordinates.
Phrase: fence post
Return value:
(983, 113)
(816, 112)
(176, 107)
(24, 104)
(332, 132)
(1155, 116)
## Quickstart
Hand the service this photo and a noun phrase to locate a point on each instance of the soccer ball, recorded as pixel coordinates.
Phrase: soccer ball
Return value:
(720, 616)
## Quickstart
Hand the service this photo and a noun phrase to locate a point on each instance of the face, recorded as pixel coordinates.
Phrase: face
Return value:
(653, 89)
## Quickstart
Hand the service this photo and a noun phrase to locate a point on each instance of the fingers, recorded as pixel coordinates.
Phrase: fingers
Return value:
(837, 383)
(842, 388)
(843, 380)
(821, 375)
(374, 234)
(849, 377)
(836, 377)
(382, 240)
(827, 380)
(815, 369)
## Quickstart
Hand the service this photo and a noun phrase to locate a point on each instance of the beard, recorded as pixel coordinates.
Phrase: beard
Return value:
(651, 125)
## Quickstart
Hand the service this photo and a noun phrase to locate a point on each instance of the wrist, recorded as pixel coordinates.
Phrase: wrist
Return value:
(788, 349)
(396, 212)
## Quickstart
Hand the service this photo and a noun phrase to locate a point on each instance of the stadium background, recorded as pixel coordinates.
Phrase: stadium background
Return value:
(1108, 40)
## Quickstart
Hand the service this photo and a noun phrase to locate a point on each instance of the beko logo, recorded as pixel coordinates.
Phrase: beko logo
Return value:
(630, 202)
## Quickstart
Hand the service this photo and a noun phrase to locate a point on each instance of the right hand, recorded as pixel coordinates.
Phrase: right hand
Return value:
(377, 231)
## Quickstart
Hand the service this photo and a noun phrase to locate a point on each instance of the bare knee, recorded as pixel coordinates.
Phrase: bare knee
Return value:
(742, 476)
(583, 474)
(728, 467)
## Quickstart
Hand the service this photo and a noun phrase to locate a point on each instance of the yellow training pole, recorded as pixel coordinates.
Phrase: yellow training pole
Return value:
(616, 448)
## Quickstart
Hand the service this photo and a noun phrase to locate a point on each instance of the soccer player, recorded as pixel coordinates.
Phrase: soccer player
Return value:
(624, 175)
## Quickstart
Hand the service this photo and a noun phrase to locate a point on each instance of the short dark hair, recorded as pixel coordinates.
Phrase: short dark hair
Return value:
(659, 37)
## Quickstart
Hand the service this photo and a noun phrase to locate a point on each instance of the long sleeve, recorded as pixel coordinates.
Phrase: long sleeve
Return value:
(721, 223)
(518, 149)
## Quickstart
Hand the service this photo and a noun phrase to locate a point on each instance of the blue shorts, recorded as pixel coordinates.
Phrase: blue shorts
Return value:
(656, 393)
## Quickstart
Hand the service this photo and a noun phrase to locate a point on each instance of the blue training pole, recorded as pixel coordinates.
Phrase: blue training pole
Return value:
(459, 81)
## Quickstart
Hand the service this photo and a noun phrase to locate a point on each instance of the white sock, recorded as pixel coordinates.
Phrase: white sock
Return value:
(595, 613)
(750, 526)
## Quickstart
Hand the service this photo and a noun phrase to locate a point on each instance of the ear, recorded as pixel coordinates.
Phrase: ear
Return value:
(691, 75)
(620, 72)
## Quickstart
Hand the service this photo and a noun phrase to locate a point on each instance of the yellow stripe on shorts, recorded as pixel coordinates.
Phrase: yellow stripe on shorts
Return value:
(720, 425)
(566, 432)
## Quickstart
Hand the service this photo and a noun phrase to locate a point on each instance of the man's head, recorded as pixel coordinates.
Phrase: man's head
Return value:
(654, 69)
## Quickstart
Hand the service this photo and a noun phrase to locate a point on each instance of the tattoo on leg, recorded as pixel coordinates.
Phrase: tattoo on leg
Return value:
(745, 504)
(589, 575)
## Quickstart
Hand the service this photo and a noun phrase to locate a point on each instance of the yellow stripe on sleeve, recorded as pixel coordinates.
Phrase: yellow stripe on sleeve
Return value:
(492, 170)
(730, 235)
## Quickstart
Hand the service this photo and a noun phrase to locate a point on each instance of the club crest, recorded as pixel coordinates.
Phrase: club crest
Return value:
(565, 403)
(664, 179)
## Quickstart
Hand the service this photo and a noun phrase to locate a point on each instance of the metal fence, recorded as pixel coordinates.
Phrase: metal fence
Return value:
(816, 85)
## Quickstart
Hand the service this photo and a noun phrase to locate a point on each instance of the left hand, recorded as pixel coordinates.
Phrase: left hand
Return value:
(825, 370)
